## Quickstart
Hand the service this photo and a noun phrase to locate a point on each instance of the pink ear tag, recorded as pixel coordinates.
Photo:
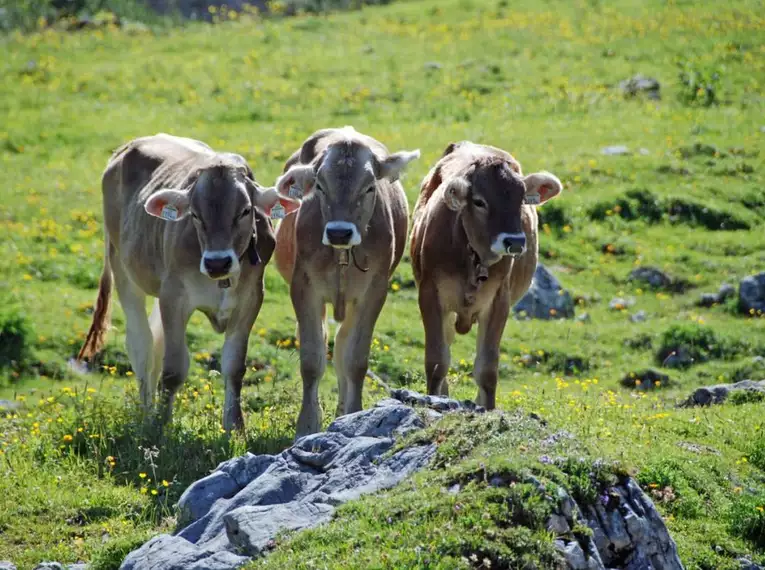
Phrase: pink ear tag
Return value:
(169, 213)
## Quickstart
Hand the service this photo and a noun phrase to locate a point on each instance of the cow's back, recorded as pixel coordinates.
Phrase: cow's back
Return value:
(135, 171)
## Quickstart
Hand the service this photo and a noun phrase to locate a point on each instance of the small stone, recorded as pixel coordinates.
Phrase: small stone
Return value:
(615, 150)
(8, 405)
(726, 291)
(638, 84)
(653, 276)
(433, 65)
(619, 303)
(639, 317)
(708, 300)
(583, 318)
(7, 565)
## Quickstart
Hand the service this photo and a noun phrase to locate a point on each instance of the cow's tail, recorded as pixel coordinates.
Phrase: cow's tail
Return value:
(96, 338)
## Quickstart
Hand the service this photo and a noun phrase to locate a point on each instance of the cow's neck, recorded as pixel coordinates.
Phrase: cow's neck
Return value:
(476, 271)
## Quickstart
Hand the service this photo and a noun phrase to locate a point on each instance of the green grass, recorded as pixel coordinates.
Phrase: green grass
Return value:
(539, 79)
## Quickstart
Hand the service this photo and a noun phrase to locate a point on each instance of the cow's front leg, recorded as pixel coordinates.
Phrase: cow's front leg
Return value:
(234, 356)
(437, 355)
(491, 325)
(356, 353)
(175, 313)
(313, 352)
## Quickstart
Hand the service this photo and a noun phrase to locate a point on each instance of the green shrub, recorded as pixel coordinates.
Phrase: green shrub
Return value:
(747, 518)
(110, 557)
(15, 336)
(699, 86)
(693, 343)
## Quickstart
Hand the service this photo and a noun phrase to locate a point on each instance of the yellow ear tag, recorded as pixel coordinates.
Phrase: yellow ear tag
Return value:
(169, 213)
(277, 212)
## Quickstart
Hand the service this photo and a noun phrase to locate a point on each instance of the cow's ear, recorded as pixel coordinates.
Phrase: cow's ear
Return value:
(541, 187)
(297, 181)
(455, 193)
(168, 204)
(392, 167)
(267, 198)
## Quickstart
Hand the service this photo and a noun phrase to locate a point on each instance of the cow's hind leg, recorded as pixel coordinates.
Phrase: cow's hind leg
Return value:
(491, 325)
(437, 356)
(139, 338)
(356, 358)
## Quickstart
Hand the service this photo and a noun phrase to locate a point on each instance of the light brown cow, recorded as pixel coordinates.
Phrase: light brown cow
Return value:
(474, 251)
(188, 226)
(341, 248)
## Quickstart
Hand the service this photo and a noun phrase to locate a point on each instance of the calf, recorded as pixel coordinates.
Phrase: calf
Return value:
(188, 226)
(474, 251)
(340, 248)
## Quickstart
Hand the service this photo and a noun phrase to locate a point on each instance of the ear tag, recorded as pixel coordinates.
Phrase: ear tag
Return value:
(532, 198)
(169, 213)
(295, 192)
(278, 212)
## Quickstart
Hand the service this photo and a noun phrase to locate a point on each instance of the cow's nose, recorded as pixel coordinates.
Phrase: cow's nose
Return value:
(339, 236)
(514, 244)
(218, 266)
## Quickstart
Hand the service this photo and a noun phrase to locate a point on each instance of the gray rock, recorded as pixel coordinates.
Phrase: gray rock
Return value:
(49, 566)
(652, 276)
(8, 405)
(709, 395)
(725, 292)
(629, 532)
(558, 524)
(751, 294)
(545, 299)
(583, 318)
(620, 303)
(747, 564)
(639, 317)
(6, 565)
(641, 84)
(235, 512)
(679, 358)
(252, 529)
(615, 150)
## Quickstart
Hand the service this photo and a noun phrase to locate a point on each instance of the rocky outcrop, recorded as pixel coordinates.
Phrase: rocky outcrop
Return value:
(708, 395)
(545, 299)
(627, 533)
(234, 514)
(751, 294)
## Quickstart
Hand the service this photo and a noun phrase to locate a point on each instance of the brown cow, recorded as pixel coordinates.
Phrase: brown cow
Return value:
(341, 248)
(186, 225)
(474, 251)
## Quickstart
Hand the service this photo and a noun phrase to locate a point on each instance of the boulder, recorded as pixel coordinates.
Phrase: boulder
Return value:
(651, 276)
(640, 84)
(751, 294)
(725, 292)
(545, 299)
(717, 394)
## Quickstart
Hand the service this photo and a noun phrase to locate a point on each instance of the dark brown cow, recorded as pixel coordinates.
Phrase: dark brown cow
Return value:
(188, 226)
(340, 248)
(474, 251)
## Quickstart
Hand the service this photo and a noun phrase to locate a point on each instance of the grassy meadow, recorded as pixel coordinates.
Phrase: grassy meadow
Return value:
(81, 481)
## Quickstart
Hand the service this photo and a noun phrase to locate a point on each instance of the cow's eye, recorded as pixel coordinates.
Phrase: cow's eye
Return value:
(478, 203)
(370, 189)
(194, 217)
(246, 212)
(319, 188)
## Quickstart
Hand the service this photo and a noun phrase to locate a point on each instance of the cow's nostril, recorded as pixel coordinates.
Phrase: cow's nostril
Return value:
(339, 236)
(514, 244)
(218, 265)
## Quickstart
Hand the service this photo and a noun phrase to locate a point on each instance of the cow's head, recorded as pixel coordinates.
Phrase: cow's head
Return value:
(345, 179)
(490, 195)
(220, 201)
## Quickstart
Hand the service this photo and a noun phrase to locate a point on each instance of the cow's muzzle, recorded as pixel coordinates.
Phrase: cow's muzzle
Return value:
(513, 244)
(341, 235)
(219, 264)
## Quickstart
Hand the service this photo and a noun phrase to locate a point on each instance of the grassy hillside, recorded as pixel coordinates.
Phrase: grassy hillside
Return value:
(539, 79)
